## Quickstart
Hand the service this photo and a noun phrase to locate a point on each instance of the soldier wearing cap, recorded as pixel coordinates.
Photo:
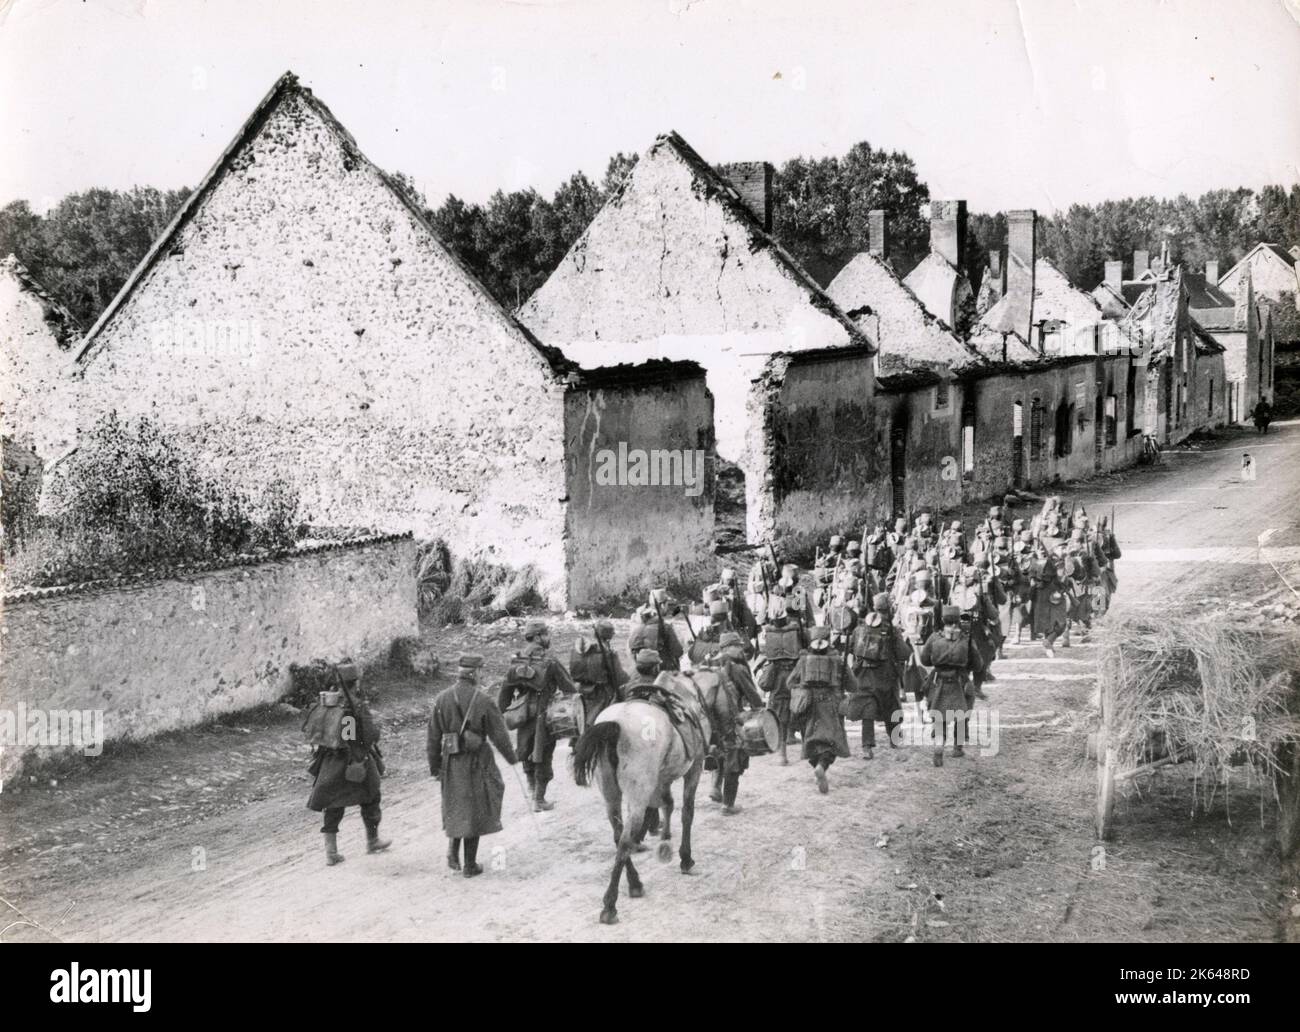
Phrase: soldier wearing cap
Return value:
(736, 695)
(825, 676)
(978, 615)
(595, 670)
(707, 640)
(917, 618)
(347, 771)
(535, 673)
(876, 657)
(842, 617)
(797, 603)
(1050, 610)
(464, 726)
(899, 534)
(741, 616)
(655, 633)
(645, 668)
(779, 644)
(835, 552)
(950, 693)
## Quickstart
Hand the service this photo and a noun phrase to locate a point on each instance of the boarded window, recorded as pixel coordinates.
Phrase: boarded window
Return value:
(1110, 420)
(941, 396)
(1036, 429)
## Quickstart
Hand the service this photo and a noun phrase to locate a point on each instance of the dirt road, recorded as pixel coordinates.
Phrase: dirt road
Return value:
(204, 836)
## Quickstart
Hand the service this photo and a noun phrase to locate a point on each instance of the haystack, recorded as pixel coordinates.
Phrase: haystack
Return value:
(1212, 692)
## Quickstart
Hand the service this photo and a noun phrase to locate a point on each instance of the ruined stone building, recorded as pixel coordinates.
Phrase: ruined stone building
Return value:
(38, 335)
(1273, 269)
(37, 407)
(1244, 328)
(300, 321)
(680, 264)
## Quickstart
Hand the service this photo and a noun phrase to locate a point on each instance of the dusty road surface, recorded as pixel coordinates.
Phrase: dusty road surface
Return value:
(204, 836)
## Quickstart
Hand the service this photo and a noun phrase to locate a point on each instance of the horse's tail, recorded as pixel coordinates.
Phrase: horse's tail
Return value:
(597, 741)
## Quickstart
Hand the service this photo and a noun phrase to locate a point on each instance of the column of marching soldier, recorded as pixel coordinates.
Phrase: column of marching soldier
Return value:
(923, 609)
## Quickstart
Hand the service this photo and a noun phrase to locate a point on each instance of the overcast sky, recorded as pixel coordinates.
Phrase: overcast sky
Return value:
(1032, 104)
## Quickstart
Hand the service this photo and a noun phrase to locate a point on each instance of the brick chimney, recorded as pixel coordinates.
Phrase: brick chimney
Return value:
(1114, 274)
(753, 181)
(1141, 262)
(948, 231)
(876, 241)
(1212, 273)
(1022, 251)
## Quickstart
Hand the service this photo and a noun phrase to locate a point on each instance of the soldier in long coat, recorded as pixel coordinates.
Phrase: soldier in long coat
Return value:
(332, 790)
(876, 657)
(736, 694)
(779, 644)
(464, 726)
(1051, 603)
(978, 617)
(950, 692)
(826, 676)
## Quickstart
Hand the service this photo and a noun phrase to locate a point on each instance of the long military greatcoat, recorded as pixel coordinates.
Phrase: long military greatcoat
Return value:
(472, 788)
(331, 789)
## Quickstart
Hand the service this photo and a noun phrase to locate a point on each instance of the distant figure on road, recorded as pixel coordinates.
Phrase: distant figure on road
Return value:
(463, 727)
(1262, 414)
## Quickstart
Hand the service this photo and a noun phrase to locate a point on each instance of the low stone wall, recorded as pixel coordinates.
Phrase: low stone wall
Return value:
(168, 650)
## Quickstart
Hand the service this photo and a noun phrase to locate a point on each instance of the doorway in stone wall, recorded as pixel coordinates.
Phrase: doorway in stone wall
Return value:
(729, 508)
(898, 465)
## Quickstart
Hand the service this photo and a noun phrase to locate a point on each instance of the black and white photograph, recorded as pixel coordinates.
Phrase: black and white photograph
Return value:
(658, 471)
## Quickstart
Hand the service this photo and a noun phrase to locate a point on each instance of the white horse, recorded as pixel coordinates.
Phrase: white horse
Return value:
(636, 753)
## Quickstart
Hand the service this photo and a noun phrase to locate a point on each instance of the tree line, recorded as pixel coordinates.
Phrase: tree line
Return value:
(85, 247)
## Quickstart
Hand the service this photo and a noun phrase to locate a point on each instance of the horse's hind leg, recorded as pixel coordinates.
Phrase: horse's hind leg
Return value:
(635, 834)
(689, 784)
(666, 827)
(613, 801)
(609, 912)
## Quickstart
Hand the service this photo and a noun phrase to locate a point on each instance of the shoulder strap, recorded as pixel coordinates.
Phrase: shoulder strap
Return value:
(468, 710)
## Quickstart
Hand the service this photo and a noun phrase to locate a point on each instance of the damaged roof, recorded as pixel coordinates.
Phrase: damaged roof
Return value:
(288, 85)
(905, 331)
(64, 326)
(717, 186)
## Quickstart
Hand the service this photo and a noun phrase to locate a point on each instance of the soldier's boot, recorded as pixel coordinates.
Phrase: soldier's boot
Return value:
(1065, 638)
(716, 794)
(539, 797)
(819, 772)
(938, 757)
(472, 866)
(332, 854)
(374, 844)
(958, 751)
(453, 854)
(730, 786)
(532, 785)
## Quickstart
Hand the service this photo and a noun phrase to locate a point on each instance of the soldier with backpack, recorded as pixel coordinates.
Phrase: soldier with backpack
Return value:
(736, 693)
(779, 644)
(346, 764)
(595, 670)
(818, 683)
(876, 657)
(950, 693)
(532, 679)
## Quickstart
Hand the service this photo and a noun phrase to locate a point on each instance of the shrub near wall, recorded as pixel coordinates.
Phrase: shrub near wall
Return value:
(169, 651)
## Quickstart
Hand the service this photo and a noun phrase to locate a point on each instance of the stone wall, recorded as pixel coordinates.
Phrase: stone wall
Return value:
(303, 323)
(814, 460)
(626, 536)
(39, 408)
(826, 442)
(166, 652)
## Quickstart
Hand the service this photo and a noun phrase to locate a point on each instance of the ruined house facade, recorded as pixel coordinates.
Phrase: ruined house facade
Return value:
(38, 336)
(680, 265)
(300, 322)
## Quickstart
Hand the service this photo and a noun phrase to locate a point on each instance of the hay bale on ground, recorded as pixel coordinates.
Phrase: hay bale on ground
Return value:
(1209, 691)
